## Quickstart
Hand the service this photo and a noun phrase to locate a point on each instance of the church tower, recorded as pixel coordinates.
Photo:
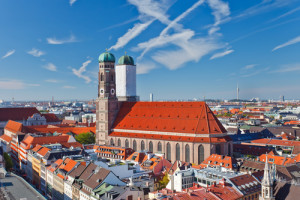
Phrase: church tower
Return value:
(107, 102)
(267, 183)
(126, 79)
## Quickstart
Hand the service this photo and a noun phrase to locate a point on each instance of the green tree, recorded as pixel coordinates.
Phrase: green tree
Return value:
(85, 138)
(164, 181)
(8, 161)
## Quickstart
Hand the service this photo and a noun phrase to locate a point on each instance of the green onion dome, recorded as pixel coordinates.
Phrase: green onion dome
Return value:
(106, 57)
(126, 60)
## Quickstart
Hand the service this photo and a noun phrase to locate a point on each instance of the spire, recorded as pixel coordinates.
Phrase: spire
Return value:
(267, 179)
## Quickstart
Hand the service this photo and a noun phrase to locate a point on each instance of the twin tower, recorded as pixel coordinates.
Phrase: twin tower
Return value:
(116, 84)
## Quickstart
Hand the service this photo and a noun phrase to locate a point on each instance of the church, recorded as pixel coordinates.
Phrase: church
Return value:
(186, 131)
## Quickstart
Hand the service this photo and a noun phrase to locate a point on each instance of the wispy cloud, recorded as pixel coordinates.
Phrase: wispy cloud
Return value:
(69, 87)
(285, 14)
(220, 10)
(50, 67)
(288, 68)
(288, 43)
(36, 52)
(81, 70)
(150, 11)
(131, 33)
(145, 67)
(249, 66)
(72, 2)
(256, 72)
(221, 54)
(55, 41)
(119, 24)
(8, 84)
(52, 81)
(9, 53)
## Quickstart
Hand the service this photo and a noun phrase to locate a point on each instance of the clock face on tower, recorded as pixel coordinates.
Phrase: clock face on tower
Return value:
(101, 91)
(112, 91)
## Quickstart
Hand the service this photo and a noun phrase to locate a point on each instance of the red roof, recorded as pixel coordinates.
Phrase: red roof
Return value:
(31, 141)
(219, 160)
(50, 117)
(17, 114)
(73, 130)
(13, 126)
(277, 142)
(6, 138)
(183, 117)
(43, 151)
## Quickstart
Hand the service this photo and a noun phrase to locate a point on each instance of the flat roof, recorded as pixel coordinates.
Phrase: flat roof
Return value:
(15, 187)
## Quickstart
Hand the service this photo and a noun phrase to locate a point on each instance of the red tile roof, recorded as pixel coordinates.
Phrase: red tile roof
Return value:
(55, 165)
(17, 114)
(139, 157)
(31, 141)
(277, 142)
(50, 117)
(13, 126)
(183, 117)
(220, 160)
(43, 151)
(73, 130)
(6, 138)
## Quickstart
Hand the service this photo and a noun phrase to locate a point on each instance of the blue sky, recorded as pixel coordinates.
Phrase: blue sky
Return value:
(183, 49)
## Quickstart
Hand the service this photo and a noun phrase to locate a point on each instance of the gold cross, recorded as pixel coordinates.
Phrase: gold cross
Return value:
(125, 53)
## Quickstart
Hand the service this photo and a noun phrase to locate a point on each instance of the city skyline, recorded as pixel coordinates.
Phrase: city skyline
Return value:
(178, 56)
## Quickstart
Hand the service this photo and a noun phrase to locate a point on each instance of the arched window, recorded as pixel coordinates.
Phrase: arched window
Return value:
(112, 78)
(159, 147)
(218, 149)
(229, 149)
(101, 77)
(134, 145)
(142, 145)
(151, 146)
(168, 151)
(177, 151)
(187, 153)
(200, 154)
(119, 142)
(126, 143)
(111, 142)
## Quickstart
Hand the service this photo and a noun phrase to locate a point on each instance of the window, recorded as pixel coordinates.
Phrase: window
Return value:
(218, 149)
(126, 143)
(159, 147)
(111, 142)
(134, 145)
(142, 145)
(112, 78)
(229, 149)
(150, 146)
(119, 142)
(101, 77)
(177, 151)
(168, 151)
(187, 153)
(200, 154)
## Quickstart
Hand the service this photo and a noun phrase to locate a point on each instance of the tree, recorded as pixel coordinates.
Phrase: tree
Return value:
(85, 138)
(8, 161)
(164, 181)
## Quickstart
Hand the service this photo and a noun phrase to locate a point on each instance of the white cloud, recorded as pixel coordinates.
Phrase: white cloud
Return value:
(6, 84)
(52, 81)
(53, 40)
(9, 53)
(256, 72)
(131, 33)
(36, 52)
(221, 54)
(72, 1)
(289, 68)
(79, 72)
(150, 11)
(288, 43)
(68, 87)
(145, 67)
(191, 50)
(50, 67)
(249, 66)
(220, 10)
(285, 14)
